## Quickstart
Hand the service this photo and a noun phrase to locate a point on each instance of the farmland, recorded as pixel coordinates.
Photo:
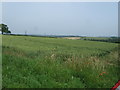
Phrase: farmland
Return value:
(42, 62)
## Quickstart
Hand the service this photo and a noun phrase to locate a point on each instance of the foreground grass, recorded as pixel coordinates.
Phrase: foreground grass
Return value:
(37, 62)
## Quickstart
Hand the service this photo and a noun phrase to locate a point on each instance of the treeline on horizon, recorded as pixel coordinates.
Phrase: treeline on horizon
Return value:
(5, 30)
(104, 39)
(110, 39)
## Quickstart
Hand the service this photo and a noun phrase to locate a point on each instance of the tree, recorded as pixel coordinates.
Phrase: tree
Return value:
(9, 32)
(4, 29)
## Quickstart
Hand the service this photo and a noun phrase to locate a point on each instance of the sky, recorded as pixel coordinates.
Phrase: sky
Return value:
(61, 18)
(0, 12)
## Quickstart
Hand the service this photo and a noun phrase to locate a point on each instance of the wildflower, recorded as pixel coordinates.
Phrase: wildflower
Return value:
(53, 55)
(102, 73)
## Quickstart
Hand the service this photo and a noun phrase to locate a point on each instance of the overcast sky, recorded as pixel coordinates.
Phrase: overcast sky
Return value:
(60, 18)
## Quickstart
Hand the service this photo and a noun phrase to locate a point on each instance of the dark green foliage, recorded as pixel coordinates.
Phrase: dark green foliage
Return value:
(4, 29)
(110, 39)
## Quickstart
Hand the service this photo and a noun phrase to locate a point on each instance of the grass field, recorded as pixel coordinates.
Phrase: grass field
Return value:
(41, 62)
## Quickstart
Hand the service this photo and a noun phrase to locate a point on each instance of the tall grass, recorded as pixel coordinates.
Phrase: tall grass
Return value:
(38, 62)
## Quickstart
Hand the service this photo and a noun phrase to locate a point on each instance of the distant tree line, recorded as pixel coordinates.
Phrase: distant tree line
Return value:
(111, 39)
(4, 29)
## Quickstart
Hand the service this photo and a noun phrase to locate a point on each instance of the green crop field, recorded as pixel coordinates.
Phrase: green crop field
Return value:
(42, 62)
